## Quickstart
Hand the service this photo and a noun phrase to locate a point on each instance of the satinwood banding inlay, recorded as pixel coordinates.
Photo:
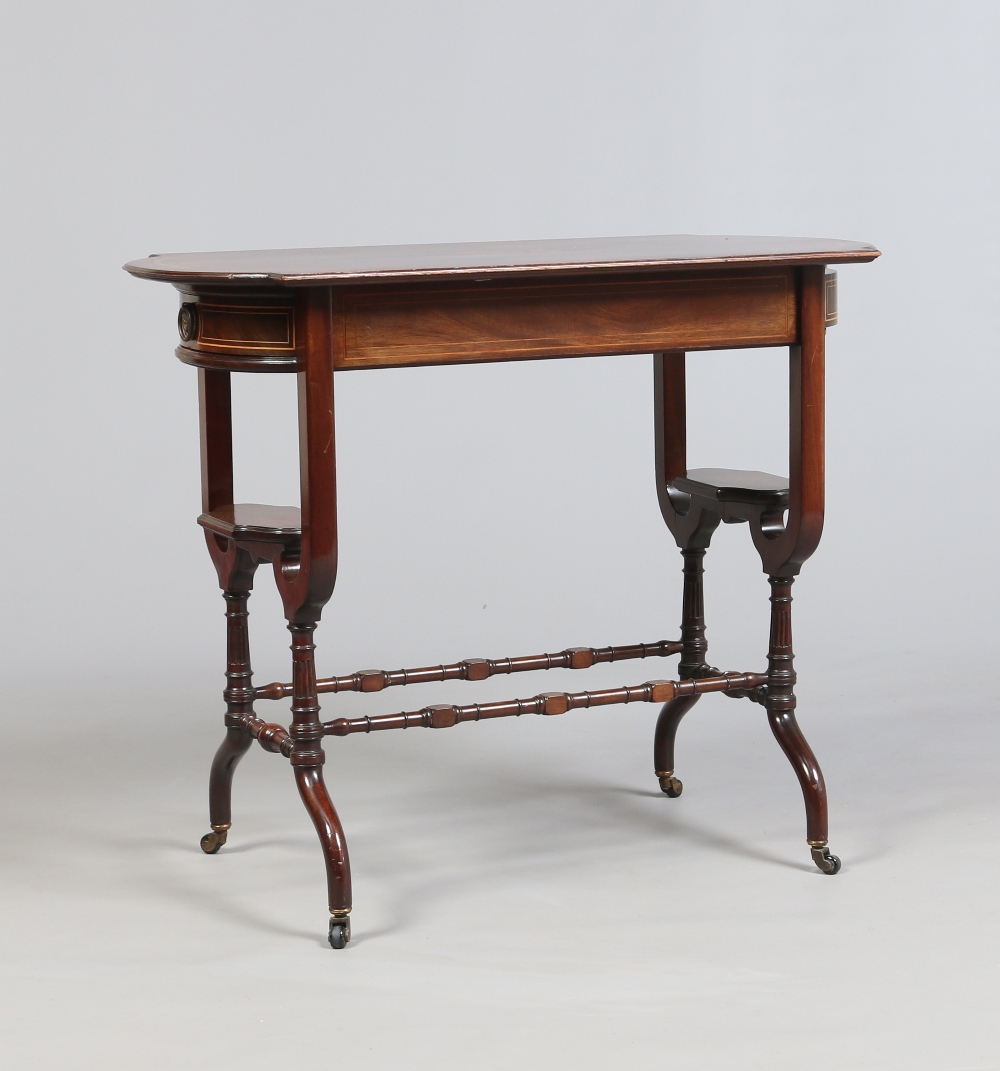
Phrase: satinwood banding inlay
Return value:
(245, 327)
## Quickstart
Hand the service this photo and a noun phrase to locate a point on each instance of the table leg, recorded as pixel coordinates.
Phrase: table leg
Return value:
(692, 664)
(234, 746)
(780, 705)
(239, 702)
(307, 760)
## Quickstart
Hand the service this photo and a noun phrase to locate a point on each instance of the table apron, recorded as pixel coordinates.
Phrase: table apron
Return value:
(385, 326)
(393, 326)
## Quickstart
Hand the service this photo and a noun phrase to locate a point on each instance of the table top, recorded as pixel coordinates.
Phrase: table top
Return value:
(496, 260)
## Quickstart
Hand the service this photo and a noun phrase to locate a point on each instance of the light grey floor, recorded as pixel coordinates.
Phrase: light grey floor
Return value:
(524, 897)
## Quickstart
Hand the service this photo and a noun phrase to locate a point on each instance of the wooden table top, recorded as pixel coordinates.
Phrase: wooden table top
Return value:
(496, 260)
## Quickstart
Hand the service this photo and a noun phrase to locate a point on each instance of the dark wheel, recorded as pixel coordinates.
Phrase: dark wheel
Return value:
(834, 864)
(826, 861)
(211, 843)
(671, 786)
(340, 932)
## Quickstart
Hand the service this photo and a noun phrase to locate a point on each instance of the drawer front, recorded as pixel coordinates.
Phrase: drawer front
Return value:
(237, 327)
(240, 332)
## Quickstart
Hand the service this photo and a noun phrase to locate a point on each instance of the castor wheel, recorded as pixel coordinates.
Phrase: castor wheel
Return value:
(212, 842)
(824, 859)
(671, 786)
(340, 932)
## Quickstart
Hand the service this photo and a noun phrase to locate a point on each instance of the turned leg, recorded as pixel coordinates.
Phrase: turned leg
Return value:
(307, 761)
(239, 702)
(692, 664)
(781, 715)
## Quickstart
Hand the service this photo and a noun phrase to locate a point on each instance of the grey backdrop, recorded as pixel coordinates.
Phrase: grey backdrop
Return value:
(499, 510)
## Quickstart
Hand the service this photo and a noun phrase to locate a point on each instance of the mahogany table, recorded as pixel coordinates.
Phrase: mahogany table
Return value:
(317, 312)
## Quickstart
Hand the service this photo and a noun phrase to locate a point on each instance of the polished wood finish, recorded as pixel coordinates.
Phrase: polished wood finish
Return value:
(547, 703)
(385, 326)
(785, 520)
(494, 260)
(497, 301)
(830, 298)
(245, 332)
(781, 710)
(216, 427)
(692, 666)
(314, 312)
(478, 669)
(782, 543)
(736, 485)
(783, 550)
(239, 702)
(253, 521)
(244, 327)
(307, 758)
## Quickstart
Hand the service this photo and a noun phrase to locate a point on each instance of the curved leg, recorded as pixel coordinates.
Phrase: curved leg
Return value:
(312, 789)
(307, 760)
(795, 746)
(239, 701)
(692, 664)
(234, 746)
(663, 742)
(781, 717)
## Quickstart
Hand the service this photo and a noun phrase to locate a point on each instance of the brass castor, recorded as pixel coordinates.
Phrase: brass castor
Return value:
(340, 931)
(212, 842)
(671, 786)
(823, 858)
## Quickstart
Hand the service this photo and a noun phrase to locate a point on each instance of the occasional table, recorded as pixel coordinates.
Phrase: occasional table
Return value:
(318, 313)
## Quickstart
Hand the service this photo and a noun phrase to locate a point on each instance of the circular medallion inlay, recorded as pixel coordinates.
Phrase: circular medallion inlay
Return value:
(187, 321)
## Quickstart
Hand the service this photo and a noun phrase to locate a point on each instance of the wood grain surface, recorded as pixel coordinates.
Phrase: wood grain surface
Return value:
(386, 326)
(489, 260)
